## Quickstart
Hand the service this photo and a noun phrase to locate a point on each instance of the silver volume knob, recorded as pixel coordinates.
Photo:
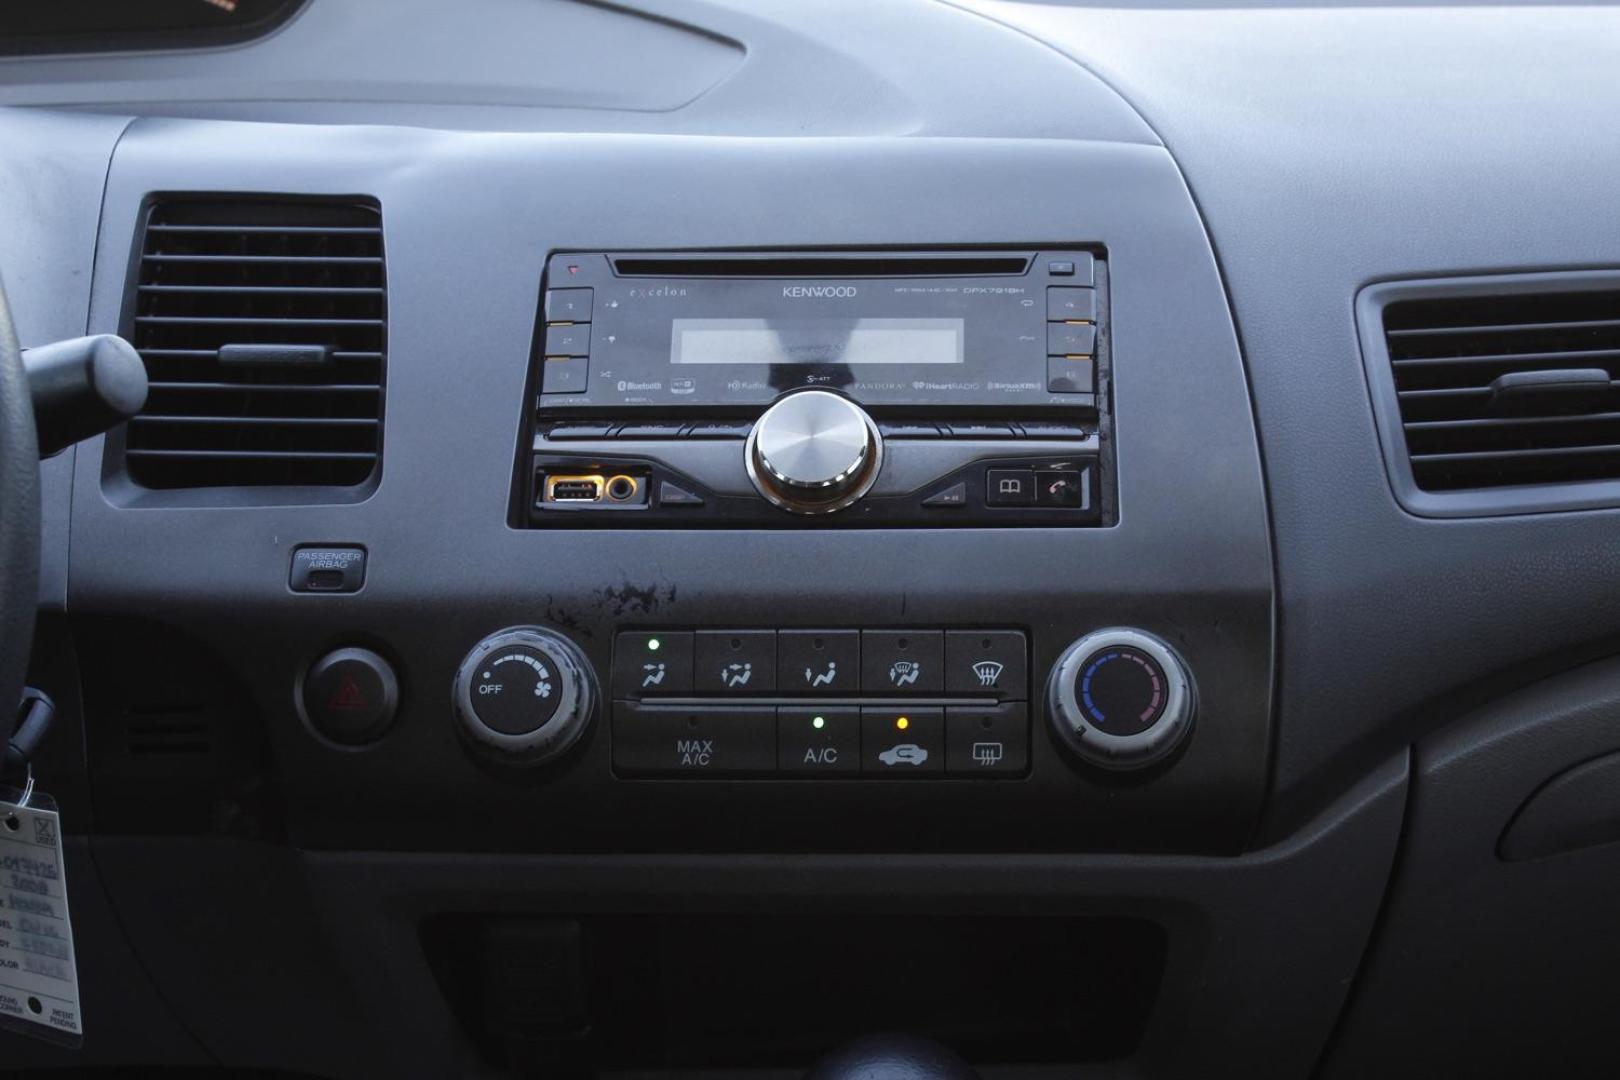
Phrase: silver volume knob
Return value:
(814, 452)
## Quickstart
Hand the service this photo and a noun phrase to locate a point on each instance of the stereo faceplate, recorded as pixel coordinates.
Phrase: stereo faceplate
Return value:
(984, 376)
(933, 330)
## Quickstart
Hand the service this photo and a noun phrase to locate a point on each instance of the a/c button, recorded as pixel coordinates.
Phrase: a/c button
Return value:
(818, 741)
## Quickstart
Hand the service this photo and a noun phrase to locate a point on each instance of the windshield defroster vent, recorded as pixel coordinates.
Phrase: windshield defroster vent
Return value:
(263, 326)
(1498, 394)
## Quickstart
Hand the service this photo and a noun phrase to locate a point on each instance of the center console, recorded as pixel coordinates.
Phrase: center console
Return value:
(790, 393)
(685, 535)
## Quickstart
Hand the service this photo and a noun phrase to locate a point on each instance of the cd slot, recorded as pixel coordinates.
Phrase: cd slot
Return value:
(820, 266)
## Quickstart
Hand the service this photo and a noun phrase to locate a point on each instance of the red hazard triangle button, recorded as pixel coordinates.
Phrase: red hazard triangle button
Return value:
(349, 696)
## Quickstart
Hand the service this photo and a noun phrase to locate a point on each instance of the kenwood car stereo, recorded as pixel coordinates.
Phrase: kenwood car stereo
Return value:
(831, 388)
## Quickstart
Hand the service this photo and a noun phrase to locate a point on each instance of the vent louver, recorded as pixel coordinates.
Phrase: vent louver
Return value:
(262, 324)
(1507, 388)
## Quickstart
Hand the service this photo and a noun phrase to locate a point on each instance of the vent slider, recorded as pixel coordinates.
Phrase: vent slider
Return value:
(275, 355)
(1562, 391)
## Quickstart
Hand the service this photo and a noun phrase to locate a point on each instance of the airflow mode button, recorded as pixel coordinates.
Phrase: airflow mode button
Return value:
(652, 662)
(735, 661)
(818, 661)
(902, 661)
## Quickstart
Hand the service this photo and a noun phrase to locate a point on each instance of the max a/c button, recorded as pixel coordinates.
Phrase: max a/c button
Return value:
(693, 742)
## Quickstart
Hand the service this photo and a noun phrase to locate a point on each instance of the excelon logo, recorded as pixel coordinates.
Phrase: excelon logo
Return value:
(816, 292)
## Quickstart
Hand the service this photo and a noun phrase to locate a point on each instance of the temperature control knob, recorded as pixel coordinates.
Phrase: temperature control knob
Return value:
(1120, 699)
(524, 695)
(813, 452)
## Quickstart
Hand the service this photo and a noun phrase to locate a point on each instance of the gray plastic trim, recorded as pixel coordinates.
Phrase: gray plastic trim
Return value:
(1476, 502)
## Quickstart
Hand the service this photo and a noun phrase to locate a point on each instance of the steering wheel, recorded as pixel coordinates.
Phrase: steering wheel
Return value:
(19, 521)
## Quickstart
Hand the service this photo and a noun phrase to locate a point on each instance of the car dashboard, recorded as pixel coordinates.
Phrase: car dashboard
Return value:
(667, 536)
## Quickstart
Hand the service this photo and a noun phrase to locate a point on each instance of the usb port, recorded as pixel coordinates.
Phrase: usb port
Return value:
(573, 489)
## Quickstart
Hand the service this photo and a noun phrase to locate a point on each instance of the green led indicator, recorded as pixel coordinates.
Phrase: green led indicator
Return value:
(819, 722)
(652, 644)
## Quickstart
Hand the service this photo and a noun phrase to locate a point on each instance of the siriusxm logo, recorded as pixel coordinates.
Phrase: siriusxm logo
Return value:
(811, 292)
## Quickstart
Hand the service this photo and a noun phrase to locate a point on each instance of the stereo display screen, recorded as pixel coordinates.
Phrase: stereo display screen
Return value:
(817, 341)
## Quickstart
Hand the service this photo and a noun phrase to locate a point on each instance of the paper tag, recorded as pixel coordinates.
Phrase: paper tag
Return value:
(39, 980)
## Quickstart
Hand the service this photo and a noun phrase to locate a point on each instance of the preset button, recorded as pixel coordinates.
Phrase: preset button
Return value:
(571, 339)
(568, 305)
(564, 374)
(1070, 339)
(1064, 304)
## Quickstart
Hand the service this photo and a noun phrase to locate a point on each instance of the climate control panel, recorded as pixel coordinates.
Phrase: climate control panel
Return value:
(830, 703)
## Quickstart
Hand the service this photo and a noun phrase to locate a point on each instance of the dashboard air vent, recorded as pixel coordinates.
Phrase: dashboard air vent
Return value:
(263, 326)
(1507, 388)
